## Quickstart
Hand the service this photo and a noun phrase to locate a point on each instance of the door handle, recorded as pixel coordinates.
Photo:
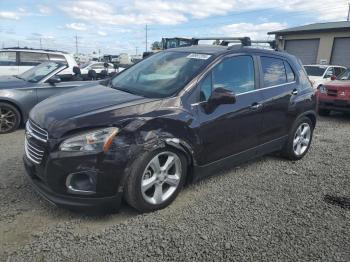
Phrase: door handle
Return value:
(256, 106)
(295, 92)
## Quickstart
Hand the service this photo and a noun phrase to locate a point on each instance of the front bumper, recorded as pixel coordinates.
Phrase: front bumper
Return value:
(336, 105)
(36, 175)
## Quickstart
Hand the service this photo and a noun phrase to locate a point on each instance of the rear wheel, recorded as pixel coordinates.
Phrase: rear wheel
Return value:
(155, 179)
(324, 112)
(10, 118)
(299, 139)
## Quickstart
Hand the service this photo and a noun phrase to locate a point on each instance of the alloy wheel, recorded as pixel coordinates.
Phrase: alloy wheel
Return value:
(8, 119)
(302, 139)
(161, 178)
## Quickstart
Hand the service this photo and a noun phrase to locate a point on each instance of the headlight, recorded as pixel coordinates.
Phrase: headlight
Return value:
(323, 89)
(95, 141)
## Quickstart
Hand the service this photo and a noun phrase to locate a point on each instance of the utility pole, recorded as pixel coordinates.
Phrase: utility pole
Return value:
(348, 13)
(41, 47)
(146, 38)
(136, 49)
(76, 44)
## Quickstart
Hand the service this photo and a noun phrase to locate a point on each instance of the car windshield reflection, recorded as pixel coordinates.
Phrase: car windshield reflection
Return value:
(39, 72)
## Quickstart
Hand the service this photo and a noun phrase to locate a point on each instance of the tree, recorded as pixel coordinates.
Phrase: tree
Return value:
(156, 45)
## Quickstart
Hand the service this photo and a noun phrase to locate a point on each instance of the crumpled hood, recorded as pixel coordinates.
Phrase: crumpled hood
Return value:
(9, 82)
(88, 107)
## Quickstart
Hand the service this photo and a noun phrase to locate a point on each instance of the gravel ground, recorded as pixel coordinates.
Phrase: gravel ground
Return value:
(265, 210)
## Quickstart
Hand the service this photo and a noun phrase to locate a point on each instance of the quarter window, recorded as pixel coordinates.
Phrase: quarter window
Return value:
(205, 88)
(57, 58)
(32, 59)
(273, 71)
(8, 59)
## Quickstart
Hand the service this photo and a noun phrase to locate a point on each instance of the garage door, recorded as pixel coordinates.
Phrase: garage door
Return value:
(306, 50)
(341, 52)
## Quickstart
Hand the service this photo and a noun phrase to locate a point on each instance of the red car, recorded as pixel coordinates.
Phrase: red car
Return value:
(334, 95)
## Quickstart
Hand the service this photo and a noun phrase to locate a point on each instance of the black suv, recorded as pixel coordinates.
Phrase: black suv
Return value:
(178, 115)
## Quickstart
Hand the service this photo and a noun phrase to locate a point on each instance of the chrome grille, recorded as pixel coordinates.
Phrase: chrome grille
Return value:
(36, 131)
(33, 152)
(35, 139)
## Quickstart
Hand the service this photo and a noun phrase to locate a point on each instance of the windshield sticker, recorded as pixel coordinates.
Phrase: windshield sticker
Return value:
(199, 56)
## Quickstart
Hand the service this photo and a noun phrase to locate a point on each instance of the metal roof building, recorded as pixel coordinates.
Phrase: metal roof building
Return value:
(320, 43)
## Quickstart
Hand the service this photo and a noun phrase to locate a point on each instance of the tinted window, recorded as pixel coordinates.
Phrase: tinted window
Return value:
(235, 74)
(273, 71)
(315, 70)
(57, 58)
(290, 73)
(345, 75)
(205, 88)
(162, 74)
(32, 59)
(330, 72)
(338, 70)
(7, 58)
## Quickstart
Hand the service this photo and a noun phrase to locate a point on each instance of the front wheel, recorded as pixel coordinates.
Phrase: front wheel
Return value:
(155, 179)
(299, 139)
(10, 118)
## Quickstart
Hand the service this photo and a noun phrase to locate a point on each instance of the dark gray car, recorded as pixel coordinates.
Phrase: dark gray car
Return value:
(19, 94)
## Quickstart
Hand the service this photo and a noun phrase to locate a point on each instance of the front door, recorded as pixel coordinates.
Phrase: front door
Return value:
(231, 128)
(46, 90)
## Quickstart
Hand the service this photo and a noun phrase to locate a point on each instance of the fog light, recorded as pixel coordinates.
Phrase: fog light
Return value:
(82, 183)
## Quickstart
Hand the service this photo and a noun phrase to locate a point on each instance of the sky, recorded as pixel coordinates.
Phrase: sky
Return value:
(113, 27)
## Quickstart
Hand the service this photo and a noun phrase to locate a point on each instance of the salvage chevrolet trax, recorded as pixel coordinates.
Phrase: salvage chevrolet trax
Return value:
(176, 116)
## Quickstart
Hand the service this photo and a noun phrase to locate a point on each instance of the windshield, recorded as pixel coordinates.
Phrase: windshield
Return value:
(161, 75)
(345, 75)
(38, 72)
(315, 70)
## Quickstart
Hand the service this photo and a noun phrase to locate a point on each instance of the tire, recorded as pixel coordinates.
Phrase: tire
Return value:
(142, 169)
(324, 112)
(9, 114)
(291, 149)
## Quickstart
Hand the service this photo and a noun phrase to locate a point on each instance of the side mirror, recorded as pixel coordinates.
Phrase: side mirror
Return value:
(333, 77)
(54, 80)
(220, 96)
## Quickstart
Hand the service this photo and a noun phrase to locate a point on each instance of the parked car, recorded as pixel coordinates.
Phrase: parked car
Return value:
(335, 95)
(18, 94)
(98, 67)
(179, 115)
(15, 61)
(320, 74)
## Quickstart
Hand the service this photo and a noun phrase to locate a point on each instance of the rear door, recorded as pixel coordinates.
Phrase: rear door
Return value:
(231, 128)
(278, 84)
(8, 63)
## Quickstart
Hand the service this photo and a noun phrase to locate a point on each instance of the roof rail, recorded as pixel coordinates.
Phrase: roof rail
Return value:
(34, 49)
(245, 41)
(249, 42)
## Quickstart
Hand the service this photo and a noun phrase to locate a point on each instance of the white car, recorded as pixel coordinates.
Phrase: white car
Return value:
(320, 74)
(15, 61)
(98, 67)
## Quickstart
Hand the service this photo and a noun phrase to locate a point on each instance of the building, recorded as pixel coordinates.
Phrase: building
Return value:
(320, 43)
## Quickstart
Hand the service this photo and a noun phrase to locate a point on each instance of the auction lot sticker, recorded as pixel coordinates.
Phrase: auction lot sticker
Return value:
(199, 56)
